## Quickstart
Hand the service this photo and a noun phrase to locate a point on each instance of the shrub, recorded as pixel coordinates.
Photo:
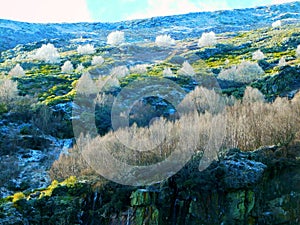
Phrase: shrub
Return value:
(71, 164)
(167, 72)
(164, 41)
(298, 51)
(207, 39)
(119, 72)
(18, 196)
(97, 60)
(285, 126)
(203, 100)
(258, 55)
(70, 181)
(17, 71)
(67, 67)
(139, 69)
(276, 24)
(244, 72)
(116, 38)
(86, 49)
(47, 53)
(252, 123)
(186, 70)
(8, 91)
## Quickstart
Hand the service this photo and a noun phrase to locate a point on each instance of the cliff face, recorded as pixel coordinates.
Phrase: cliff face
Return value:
(260, 187)
(242, 188)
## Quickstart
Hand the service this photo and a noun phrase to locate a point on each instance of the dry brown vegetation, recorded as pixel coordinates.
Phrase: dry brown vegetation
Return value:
(210, 123)
(8, 93)
(252, 122)
(72, 164)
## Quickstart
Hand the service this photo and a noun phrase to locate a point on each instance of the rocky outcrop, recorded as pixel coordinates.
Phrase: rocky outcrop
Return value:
(260, 187)
(243, 188)
(286, 83)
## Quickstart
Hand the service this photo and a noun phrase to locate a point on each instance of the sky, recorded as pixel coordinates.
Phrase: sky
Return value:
(49, 11)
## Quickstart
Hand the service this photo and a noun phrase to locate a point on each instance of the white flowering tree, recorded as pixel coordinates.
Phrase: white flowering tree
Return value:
(47, 53)
(116, 38)
(276, 24)
(119, 72)
(139, 69)
(207, 39)
(8, 90)
(97, 60)
(164, 41)
(17, 71)
(67, 67)
(86, 49)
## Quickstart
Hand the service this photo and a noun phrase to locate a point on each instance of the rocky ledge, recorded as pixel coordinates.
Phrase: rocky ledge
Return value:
(260, 187)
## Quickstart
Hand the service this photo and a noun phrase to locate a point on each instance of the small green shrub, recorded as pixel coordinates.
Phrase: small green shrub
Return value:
(3, 108)
(18, 196)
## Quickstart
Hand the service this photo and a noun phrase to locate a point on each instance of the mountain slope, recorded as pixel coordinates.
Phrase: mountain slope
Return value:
(38, 122)
(180, 27)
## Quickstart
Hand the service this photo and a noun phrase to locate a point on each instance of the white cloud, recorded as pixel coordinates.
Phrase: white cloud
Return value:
(45, 10)
(173, 7)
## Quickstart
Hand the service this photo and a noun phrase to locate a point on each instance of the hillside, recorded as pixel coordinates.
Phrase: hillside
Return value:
(180, 27)
(200, 126)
